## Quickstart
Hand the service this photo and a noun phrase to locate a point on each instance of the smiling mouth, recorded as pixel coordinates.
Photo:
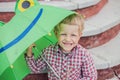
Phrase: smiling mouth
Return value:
(67, 44)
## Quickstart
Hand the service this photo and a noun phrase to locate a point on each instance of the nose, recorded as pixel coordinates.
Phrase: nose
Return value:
(67, 38)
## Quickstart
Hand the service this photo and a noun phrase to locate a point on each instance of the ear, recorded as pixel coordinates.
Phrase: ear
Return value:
(56, 33)
(80, 34)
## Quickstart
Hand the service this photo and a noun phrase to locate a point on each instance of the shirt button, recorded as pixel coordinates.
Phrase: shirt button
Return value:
(64, 70)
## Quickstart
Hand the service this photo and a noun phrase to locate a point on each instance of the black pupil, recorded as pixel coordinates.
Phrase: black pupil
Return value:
(26, 4)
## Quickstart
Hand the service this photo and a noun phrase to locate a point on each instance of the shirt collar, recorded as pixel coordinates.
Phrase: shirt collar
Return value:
(58, 49)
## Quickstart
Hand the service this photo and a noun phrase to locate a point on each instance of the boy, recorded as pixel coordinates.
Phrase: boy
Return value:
(66, 60)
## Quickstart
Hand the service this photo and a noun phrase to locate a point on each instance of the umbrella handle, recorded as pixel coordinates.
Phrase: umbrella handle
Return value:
(47, 63)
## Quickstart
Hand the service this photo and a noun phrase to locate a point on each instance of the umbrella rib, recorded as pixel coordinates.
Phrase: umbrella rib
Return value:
(48, 64)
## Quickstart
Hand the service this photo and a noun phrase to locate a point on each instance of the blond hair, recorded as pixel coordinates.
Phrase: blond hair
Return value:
(74, 19)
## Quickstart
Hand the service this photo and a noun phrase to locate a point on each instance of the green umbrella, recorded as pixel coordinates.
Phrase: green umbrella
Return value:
(19, 69)
(32, 23)
(1, 23)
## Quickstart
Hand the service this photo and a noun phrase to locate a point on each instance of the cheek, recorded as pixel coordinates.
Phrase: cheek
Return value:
(76, 39)
(61, 38)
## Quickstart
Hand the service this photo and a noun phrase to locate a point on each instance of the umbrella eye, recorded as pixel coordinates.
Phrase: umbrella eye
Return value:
(26, 4)
(23, 5)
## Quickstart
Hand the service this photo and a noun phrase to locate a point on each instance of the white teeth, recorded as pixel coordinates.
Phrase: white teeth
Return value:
(68, 44)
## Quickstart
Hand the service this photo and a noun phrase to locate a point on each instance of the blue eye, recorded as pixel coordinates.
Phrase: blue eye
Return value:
(63, 34)
(73, 35)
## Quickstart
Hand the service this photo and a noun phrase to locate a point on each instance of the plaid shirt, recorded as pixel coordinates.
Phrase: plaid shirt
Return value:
(77, 65)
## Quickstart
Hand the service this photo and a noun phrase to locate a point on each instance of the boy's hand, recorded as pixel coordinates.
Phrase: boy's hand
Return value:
(29, 50)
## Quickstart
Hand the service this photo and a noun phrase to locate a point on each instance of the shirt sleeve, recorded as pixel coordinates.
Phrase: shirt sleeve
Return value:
(37, 65)
(89, 71)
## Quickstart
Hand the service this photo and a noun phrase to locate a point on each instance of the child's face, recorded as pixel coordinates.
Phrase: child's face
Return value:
(68, 37)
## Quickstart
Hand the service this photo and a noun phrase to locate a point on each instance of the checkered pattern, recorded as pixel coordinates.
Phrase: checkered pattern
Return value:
(77, 65)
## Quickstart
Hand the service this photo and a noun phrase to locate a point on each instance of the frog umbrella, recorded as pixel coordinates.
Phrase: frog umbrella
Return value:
(32, 22)
(1, 23)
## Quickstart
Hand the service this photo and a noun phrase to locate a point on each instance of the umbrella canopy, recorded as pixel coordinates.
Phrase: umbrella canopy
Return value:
(32, 23)
(19, 69)
(1, 23)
